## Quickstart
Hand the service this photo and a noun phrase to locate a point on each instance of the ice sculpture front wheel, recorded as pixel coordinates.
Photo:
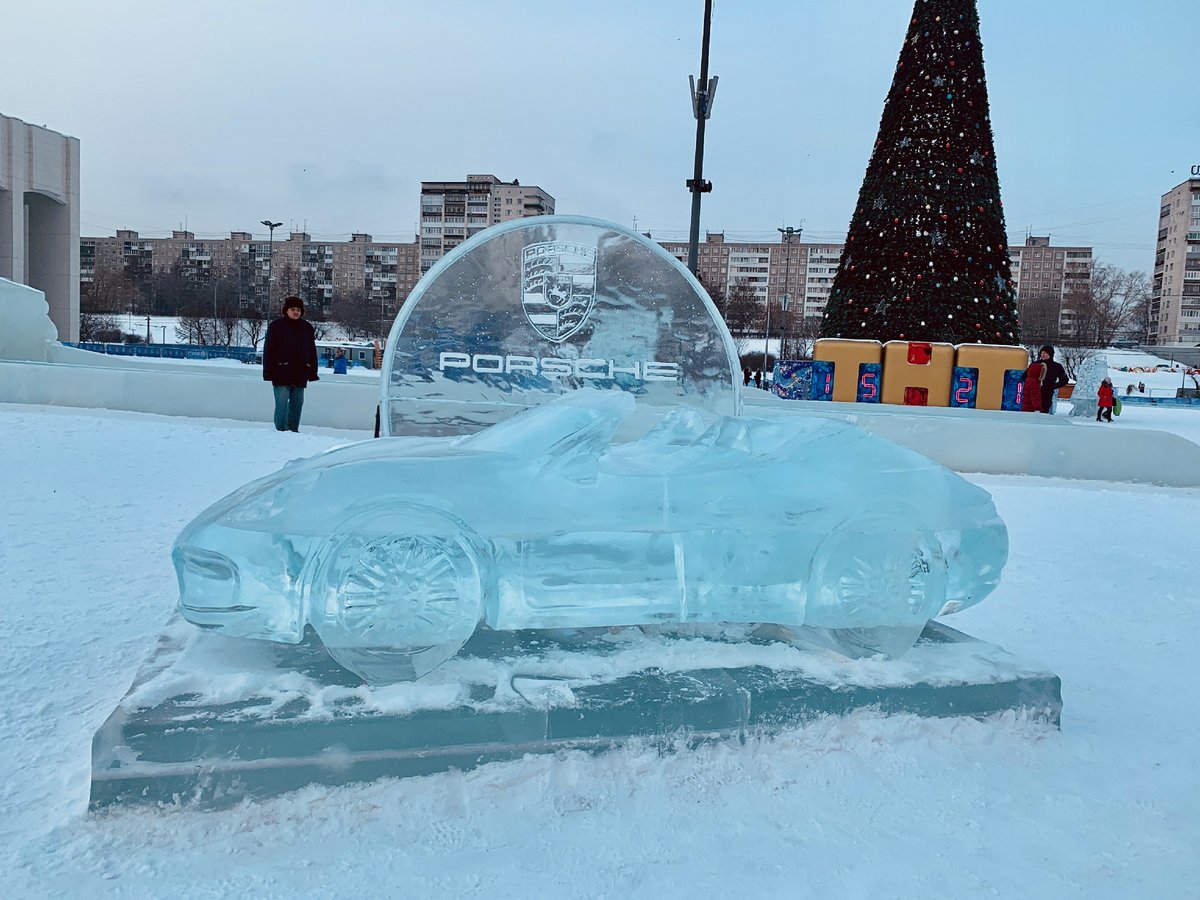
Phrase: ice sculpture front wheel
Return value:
(874, 584)
(397, 594)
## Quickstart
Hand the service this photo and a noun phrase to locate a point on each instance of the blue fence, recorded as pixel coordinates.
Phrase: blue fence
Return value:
(1140, 400)
(169, 351)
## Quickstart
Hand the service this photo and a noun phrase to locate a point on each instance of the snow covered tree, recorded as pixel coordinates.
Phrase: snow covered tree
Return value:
(926, 257)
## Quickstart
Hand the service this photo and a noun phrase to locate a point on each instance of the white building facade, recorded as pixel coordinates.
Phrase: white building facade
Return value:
(1175, 301)
(39, 217)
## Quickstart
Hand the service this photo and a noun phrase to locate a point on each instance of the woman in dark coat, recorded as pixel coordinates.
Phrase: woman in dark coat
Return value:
(1054, 378)
(290, 362)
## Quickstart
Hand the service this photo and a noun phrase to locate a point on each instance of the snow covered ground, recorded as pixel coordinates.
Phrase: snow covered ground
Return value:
(1101, 588)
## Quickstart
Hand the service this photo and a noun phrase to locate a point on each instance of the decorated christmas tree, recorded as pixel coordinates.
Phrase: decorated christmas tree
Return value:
(926, 257)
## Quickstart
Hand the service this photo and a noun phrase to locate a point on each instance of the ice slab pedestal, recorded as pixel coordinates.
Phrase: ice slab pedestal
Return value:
(211, 720)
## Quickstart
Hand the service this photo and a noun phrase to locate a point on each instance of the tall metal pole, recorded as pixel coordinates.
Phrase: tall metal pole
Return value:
(702, 99)
(270, 256)
(766, 339)
(787, 274)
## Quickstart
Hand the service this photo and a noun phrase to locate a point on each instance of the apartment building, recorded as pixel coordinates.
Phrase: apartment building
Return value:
(452, 211)
(1043, 274)
(1175, 290)
(317, 271)
(1045, 278)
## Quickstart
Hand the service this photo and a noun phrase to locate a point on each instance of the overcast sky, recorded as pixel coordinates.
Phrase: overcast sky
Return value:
(328, 115)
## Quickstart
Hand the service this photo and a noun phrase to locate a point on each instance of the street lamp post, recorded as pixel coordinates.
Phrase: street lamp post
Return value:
(702, 100)
(270, 256)
(164, 333)
(787, 233)
(766, 338)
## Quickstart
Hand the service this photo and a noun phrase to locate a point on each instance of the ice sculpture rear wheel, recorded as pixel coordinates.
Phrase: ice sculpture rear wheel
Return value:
(397, 593)
(878, 581)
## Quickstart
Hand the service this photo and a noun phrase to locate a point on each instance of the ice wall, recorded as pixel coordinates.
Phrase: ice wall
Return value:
(26, 331)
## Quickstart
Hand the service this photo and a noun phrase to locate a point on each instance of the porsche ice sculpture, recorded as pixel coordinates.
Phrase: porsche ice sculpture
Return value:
(396, 550)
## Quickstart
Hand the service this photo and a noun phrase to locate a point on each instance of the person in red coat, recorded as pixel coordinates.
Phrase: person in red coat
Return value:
(1031, 391)
(1104, 401)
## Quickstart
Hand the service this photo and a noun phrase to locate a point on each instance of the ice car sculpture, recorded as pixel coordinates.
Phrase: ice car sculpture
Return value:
(395, 550)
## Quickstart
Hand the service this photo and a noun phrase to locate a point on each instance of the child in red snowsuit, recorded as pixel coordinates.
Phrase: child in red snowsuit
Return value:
(1104, 401)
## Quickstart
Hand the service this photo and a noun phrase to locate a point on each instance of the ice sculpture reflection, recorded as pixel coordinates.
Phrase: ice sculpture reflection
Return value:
(395, 550)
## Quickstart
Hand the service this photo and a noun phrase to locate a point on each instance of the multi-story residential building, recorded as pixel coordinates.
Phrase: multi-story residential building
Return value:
(321, 272)
(801, 273)
(1175, 296)
(452, 211)
(1044, 275)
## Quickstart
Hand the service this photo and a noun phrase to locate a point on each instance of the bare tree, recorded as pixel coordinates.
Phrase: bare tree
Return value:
(109, 291)
(312, 290)
(253, 325)
(715, 290)
(802, 332)
(357, 315)
(97, 326)
(195, 306)
(742, 309)
(1039, 316)
(1111, 304)
(1139, 325)
(1070, 355)
(287, 281)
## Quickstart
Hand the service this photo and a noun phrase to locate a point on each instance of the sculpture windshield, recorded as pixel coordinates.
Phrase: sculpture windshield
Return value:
(537, 308)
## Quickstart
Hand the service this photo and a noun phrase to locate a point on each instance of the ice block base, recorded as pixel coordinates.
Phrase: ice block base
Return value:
(212, 720)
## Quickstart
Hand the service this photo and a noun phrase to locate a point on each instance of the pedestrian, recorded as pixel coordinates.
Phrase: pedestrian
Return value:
(1141, 387)
(745, 375)
(1031, 396)
(1129, 390)
(1104, 400)
(758, 378)
(290, 362)
(339, 362)
(1054, 378)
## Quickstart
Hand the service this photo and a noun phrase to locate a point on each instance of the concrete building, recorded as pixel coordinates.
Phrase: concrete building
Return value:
(452, 211)
(39, 217)
(320, 272)
(1045, 278)
(1175, 296)
(1045, 275)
